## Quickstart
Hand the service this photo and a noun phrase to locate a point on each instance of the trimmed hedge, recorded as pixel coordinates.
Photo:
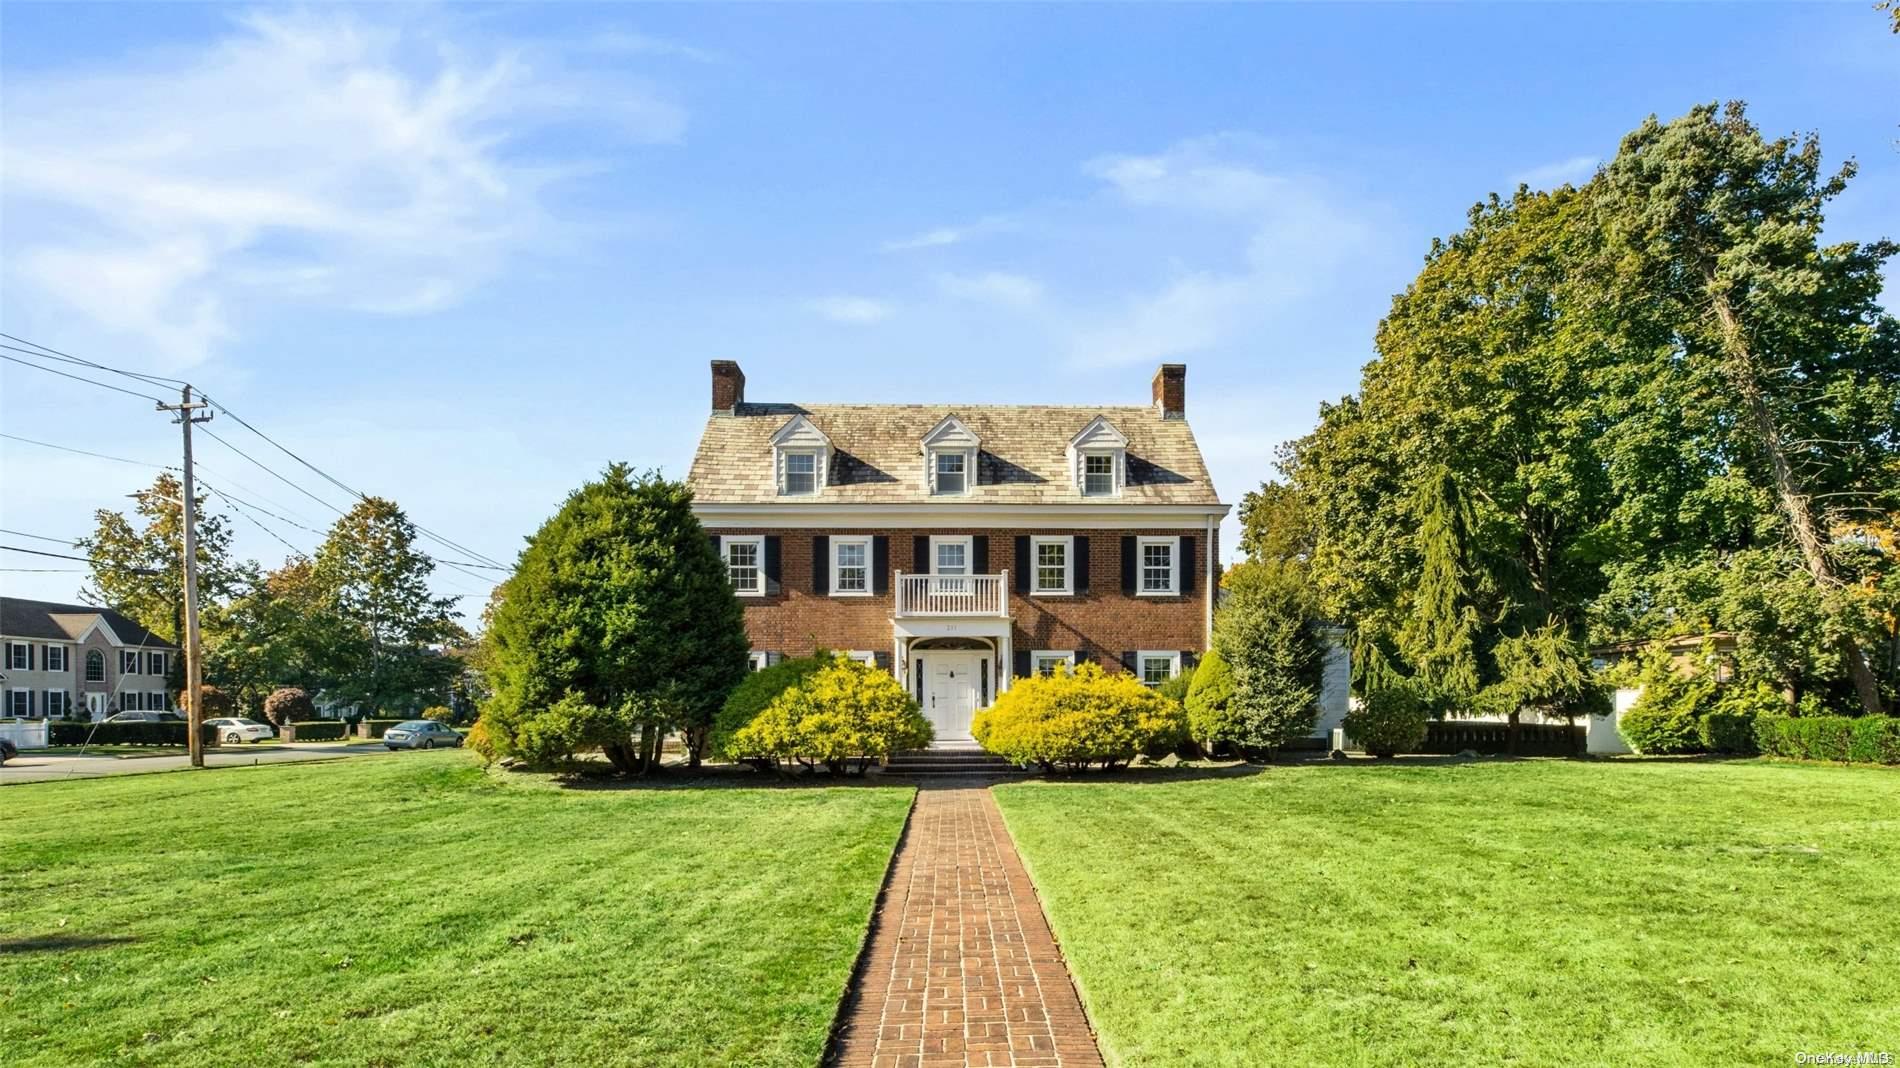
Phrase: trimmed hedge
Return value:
(319, 730)
(374, 728)
(61, 732)
(1843, 739)
(1533, 739)
(1075, 718)
(1727, 732)
(1390, 720)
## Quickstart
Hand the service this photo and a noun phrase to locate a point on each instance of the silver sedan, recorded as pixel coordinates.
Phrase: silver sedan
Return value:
(421, 734)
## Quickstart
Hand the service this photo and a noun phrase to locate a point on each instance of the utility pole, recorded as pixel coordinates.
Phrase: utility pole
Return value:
(194, 668)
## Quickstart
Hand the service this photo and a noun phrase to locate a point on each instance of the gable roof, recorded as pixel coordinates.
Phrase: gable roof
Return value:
(877, 460)
(56, 621)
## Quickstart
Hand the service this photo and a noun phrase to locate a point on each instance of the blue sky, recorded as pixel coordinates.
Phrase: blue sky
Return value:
(465, 256)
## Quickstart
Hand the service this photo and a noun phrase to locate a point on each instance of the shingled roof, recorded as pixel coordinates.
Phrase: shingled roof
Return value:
(877, 457)
(56, 621)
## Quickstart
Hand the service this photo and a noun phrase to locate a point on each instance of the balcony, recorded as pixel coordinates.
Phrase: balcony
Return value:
(952, 595)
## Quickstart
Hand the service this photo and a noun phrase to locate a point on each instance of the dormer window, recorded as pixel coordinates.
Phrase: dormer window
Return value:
(801, 453)
(950, 451)
(801, 473)
(1098, 459)
(951, 474)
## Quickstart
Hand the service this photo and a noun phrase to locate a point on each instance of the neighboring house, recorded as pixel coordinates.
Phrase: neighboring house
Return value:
(59, 660)
(962, 546)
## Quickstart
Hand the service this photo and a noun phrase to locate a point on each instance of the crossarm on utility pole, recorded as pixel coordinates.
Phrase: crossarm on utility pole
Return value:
(194, 666)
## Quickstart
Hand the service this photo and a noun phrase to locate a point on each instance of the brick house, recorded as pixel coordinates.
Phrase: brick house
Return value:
(76, 660)
(962, 546)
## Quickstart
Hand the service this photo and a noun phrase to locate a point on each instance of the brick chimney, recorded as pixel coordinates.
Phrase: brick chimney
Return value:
(728, 386)
(1170, 388)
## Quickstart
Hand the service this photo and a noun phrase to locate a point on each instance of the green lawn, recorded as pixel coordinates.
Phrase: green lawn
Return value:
(418, 911)
(1535, 912)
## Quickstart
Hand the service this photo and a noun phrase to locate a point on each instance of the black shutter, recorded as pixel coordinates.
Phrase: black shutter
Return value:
(880, 564)
(1079, 567)
(920, 553)
(820, 563)
(772, 587)
(1022, 563)
(980, 554)
(1128, 564)
(1022, 663)
(1129, 662)
(1190, 659)
(1081, 657)
(713, 539)
(882, 660)
(1187, 564)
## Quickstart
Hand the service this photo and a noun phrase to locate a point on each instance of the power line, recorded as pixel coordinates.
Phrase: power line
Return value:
(236, 500)
(82, 452)
(80, 378)
(255, 521)
(259, 464)
(42, 552)
(48, 350)
(44, 570)
(39, 537)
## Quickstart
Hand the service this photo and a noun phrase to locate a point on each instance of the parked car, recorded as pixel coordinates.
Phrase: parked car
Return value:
(144, 717)
(420, 734)
(8, 750)
(235, 729)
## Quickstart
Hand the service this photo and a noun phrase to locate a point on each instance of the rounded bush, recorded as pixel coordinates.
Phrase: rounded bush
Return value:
(217, 703)
(841, 712)
(439, 713)
(289, 704)
(1077, 718)
(1660, 730)
(482, 740)
(1389, 720)
(1209, 721)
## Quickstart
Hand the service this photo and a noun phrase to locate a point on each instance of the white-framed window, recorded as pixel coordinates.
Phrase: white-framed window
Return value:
(155, 664)
(1158, 568)
(155, 701)
(1157, 667)
(1046, 661)
(1052, 559)
(801, 473)
(851, 567)
(1098, 474)
(19, 658)
(129, 701)
(20, 704)
(95, 666)
(952, 471)
(128, 661)
(59, 704)
(745, 564)
(58, 659)
(758, 660)
(862, 656)
(950, 554)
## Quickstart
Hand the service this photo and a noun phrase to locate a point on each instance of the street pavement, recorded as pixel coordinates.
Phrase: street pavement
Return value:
(35, 765)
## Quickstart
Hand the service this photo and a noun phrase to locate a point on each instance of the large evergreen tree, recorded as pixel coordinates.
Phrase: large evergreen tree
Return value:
(619, 618)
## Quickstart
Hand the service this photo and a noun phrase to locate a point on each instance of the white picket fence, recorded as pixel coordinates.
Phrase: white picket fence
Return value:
(26, 733)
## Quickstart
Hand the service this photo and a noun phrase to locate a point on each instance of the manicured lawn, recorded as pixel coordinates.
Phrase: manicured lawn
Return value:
(421, 912)
(1535, 912)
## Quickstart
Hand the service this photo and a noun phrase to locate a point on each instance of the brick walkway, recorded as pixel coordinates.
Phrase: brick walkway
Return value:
(962, 968)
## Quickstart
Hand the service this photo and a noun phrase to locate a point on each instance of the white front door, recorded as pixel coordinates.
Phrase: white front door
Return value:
(96, 706)
(950, 693)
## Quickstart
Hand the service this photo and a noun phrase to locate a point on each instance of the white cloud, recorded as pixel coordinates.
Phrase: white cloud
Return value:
(1550, 175)
(950, 235)
(858, 311)
(306, 157)
(1296, 236)
(995, 287)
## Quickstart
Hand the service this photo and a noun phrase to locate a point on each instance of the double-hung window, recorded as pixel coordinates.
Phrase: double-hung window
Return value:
(129, 701)
(745, 565)
(59, 704)
(1048, 661)
(951, 559)
(19, 657)
(952, 472)
(801, 473)
(57, 658)
(155, 664)
(1052, 557)
(851, 566)
(20, 703)
(155, 701)
(128, 661)
(1159, 563)
(1157, 668)
(1098, 475)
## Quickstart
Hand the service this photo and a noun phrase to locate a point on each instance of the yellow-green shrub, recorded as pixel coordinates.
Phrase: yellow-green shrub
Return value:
(1075, 718)
(844, 711)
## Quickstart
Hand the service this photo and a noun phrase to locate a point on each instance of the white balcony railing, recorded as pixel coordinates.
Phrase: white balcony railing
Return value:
(952, 595)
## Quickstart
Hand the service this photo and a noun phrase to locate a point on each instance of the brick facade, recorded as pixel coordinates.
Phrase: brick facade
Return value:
(1104, 622)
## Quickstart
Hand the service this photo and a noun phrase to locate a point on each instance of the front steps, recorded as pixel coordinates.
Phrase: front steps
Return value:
(951, 761)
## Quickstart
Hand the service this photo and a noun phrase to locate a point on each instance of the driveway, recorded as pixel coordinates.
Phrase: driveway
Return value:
(33, 765)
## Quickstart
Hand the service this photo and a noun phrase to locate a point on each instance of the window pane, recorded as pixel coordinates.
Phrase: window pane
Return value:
(1157, 570)
(801, 473)
(1052, 566)
(1156, 669)
(950, 472)
(952, 558)
(1098, 475)
(852, 570)
(742, 563)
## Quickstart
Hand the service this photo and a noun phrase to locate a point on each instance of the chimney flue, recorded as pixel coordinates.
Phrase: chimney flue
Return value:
(728, 386)
(1170, 389)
